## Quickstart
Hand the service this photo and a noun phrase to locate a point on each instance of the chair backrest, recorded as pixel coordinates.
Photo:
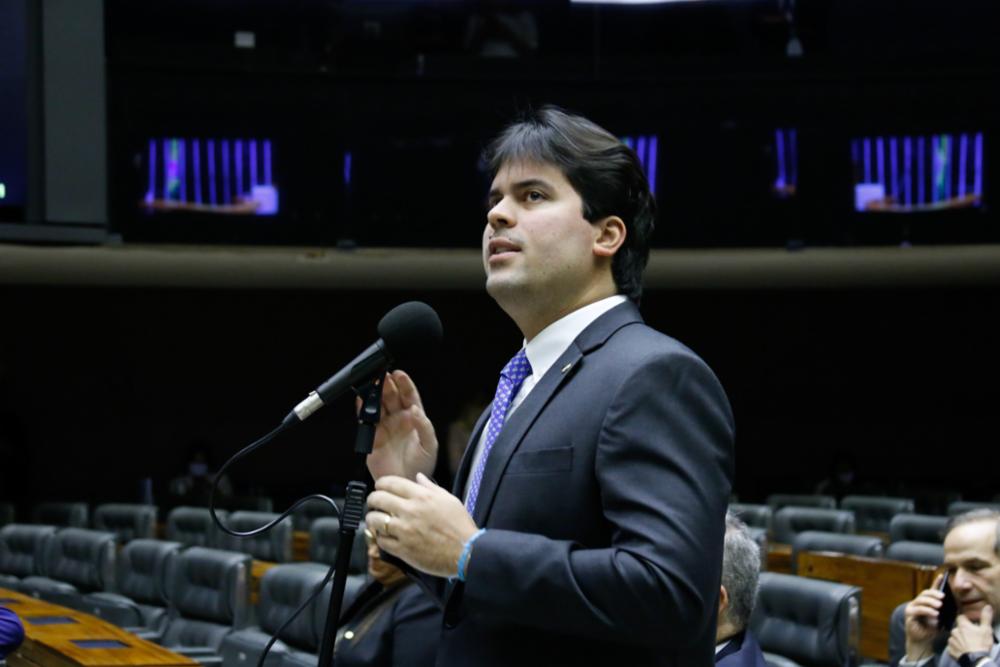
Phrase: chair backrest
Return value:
(209, 593)
(193, 526)
(818, 540)
(73, 515)
(22, 547)
(963, 506)
(917, 528)
(303, 517)
(128, 522)
(812, 621)
(274, 545)
(758, 516)
(778, 500)
(142, 570)
(924, 553)
(81, 557)
(789, 521)
(324, 538)
(873, 513)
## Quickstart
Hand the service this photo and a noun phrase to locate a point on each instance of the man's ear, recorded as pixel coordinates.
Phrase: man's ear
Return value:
(609, 235)
(723, 601)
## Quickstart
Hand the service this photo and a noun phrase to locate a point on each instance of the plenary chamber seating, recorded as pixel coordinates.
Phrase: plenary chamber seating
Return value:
(811, 622)
(127, 522)
(755, 516)
(71, 515)
(917, 538)
(209, 597)
(963, 506)
(194, 527)
(304, 516)
(282, 590)
(74, 561)
(872, 514)
(274, 545)
(21, 547)
(140, 603)
(843, 543)
(789, 521)
(778, 500)
(324, 538)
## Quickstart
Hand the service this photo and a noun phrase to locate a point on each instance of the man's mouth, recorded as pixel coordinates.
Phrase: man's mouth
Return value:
(501, 246)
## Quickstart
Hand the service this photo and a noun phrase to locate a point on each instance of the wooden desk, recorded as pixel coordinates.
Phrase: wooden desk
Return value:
(884, 584)
(257, 570)
(300, 545)
(779, 558)
(56, 636)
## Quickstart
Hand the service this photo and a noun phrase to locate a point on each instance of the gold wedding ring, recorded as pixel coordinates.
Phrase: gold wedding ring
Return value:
(385, 527)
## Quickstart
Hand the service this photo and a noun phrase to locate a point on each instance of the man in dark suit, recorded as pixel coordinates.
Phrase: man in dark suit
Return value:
(735, 645)
(969, 637)
(587, 519)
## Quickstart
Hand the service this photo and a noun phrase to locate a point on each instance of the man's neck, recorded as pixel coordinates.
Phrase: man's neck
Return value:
(531, 322)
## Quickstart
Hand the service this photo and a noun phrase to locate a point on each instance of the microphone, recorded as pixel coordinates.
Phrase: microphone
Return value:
(406, 331)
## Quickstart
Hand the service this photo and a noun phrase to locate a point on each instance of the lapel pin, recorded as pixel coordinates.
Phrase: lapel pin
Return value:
(566, 368)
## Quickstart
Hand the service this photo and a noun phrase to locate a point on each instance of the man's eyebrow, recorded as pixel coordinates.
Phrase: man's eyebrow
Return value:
(522, 185)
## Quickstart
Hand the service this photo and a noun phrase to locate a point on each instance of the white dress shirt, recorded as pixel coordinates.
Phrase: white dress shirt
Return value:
(542, 351)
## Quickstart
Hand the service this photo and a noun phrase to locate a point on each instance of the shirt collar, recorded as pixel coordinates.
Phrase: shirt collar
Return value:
(552, 341)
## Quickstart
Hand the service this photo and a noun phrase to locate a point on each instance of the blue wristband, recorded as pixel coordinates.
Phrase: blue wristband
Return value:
(463, 560)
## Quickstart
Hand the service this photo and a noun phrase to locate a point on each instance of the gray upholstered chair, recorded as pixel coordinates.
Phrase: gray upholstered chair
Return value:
(324, 537)
(273, 545)
(917, 528)
(818, 540)
(140, 603)
(128, 522)
(74, 561)
(193, 526)
(282, 590)
(790, 521)
(209, 597)
(72, 515)
(758, 516)
(303, 517)
(21, 549)
(778, 500)
(963, 506)
(816, 623)
(924, 553)
(873, 513)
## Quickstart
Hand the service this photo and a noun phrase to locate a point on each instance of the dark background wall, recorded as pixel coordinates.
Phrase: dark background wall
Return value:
(105, 386)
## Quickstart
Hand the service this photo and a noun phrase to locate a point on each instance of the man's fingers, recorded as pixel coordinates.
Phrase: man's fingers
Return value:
(986, 617)
(390, 395)
(408, 394)
(397, 486)
(386, 502)
(425, 481)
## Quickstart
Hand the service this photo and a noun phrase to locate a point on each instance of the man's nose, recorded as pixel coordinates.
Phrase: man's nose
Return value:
(960, 580)
(500, 215)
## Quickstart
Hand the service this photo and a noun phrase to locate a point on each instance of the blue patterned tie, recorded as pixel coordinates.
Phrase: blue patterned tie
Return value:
(511, 378)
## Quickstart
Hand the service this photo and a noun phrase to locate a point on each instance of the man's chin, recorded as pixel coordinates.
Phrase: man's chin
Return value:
(972, 611)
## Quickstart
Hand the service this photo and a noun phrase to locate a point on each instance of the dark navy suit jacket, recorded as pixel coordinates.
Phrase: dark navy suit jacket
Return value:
(604, 501)
(741, 651)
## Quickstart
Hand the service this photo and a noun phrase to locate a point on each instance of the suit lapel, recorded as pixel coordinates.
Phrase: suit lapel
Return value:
(462, 474)
(515, 428)
(525, 415)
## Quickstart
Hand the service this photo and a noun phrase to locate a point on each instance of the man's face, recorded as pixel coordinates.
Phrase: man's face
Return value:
(975, 567)
(536, 240)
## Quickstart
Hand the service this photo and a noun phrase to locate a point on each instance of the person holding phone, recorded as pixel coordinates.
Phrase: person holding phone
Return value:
(959, 608)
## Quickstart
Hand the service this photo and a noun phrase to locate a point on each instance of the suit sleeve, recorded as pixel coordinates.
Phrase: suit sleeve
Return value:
(664, 465)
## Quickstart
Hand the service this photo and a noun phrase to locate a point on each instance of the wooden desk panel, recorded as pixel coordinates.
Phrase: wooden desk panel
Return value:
(885, 584)
(52, 645)
(779, 558)
(300, 545)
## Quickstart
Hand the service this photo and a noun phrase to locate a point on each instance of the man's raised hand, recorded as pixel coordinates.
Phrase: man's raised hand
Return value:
(405, 443)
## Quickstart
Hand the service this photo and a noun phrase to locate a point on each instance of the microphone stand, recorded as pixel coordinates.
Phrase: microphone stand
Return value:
(350, 517)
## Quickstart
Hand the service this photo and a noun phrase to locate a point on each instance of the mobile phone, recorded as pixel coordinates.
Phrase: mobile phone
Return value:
(949, 608)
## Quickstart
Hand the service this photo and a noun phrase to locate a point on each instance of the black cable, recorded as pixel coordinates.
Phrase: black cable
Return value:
(257, 531)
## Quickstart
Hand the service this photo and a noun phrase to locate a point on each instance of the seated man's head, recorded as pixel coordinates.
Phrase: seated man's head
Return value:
(740, 572)
(972, 556)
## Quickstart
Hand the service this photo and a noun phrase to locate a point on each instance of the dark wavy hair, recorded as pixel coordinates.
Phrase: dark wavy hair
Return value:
(605, 173)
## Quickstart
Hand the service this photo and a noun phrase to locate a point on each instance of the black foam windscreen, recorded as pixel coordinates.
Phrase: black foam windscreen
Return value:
(410, 329)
